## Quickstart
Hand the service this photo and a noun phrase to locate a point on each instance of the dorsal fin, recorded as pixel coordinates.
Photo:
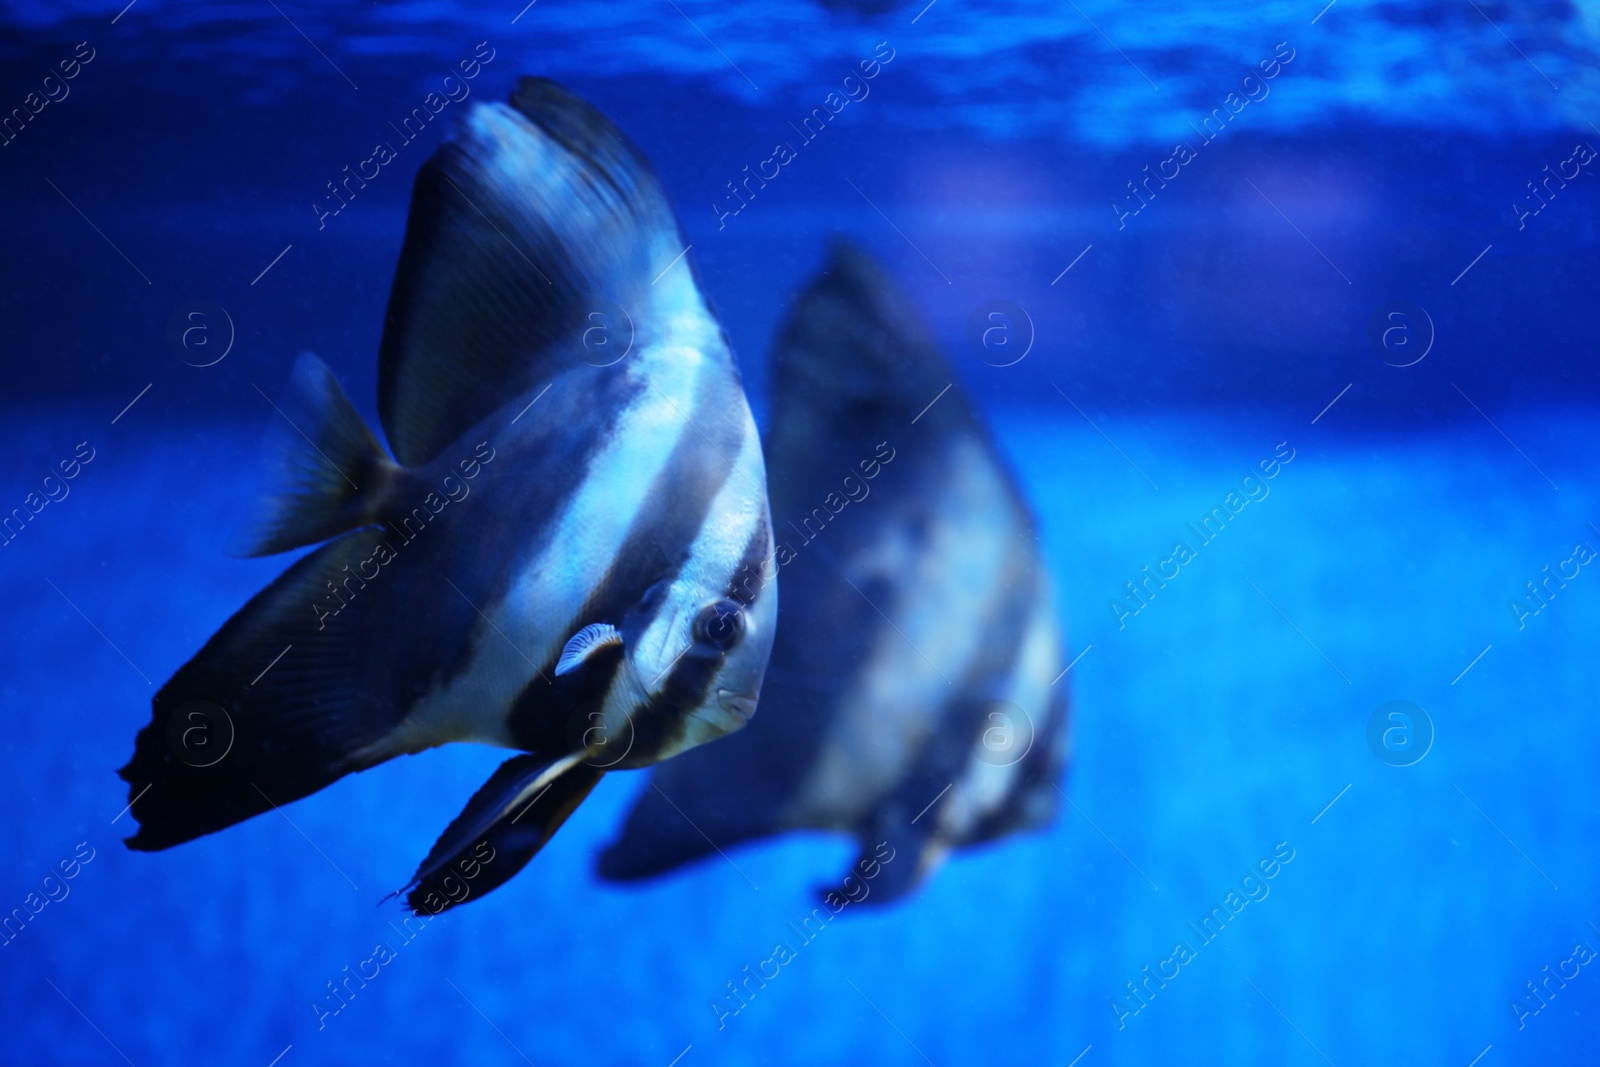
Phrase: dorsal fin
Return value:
(853, 351)
(532, 218)
(328, 474)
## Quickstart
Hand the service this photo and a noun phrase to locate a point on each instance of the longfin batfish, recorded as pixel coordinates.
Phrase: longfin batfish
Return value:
(573, 457)
(909, 699)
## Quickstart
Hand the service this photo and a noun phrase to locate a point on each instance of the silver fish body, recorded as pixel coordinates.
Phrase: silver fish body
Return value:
(913, 696)
(565, 555)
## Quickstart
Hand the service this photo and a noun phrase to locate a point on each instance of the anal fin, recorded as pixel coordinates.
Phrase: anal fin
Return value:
(891, 867)
(503, 826)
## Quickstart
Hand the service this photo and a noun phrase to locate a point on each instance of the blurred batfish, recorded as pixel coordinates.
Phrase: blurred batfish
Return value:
(909, 698)
(596, 601)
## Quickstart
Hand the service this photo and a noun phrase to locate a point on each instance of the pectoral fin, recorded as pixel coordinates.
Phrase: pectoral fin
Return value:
(502, 827)
(587, 642)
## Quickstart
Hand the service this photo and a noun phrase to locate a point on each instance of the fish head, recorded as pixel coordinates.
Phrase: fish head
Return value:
(697, 645)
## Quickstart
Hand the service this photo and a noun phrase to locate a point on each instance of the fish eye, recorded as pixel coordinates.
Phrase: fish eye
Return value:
(720, 624)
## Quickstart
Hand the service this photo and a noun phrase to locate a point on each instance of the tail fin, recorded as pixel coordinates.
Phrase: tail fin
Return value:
(277, 705)
(330, 473)
(502, 827)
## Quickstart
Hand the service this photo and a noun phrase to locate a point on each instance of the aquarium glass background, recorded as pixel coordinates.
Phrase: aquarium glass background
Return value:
(1166, 247)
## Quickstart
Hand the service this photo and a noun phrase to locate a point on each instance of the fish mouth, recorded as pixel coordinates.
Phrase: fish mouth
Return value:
(737, 704)
(708, 722)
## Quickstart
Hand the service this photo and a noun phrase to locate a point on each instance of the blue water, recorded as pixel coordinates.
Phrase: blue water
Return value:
(1225, 720)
